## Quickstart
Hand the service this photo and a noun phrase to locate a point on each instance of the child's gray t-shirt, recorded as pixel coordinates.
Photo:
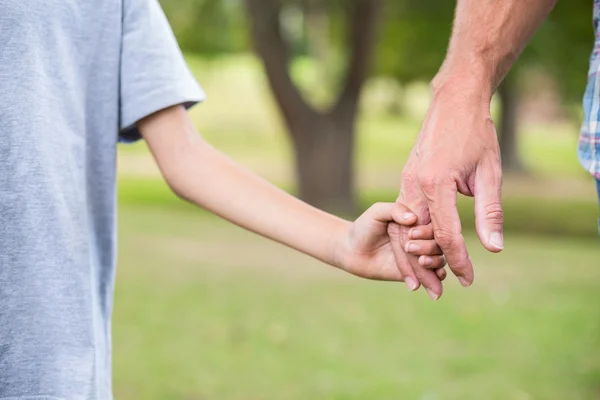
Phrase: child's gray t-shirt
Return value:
(74, 75)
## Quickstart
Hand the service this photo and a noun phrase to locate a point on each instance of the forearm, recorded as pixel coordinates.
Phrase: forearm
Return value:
(487, 38)
(209, 179)
(202, 175)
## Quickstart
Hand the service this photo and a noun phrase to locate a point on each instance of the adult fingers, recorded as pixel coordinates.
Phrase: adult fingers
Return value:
(425, 277)
(441, 199)
(413, 197)
(410, 277)
(489, 219)
(416, 274)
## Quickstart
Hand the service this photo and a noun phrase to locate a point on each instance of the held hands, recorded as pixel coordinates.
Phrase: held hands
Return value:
(456, 152)
(364, 248)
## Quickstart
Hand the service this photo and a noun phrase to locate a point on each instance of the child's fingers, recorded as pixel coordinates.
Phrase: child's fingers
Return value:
(432, 262)
(391, 212)
(441, 273)
(402, 215)
(381, 217)
(423, 248)
(421, 232)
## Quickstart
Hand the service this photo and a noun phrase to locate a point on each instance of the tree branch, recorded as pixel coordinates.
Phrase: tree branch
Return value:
(273, 50)
(363, 22)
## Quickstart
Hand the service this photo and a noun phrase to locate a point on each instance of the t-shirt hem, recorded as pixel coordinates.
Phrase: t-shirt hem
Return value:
(32, 398)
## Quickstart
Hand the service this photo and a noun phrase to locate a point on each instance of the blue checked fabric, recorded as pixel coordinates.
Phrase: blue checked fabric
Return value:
(589, 140)
(598, 189)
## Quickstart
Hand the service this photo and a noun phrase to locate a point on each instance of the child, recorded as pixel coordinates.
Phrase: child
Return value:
(71, 72)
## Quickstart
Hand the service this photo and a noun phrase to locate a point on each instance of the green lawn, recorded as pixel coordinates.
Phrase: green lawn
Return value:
(207, 311)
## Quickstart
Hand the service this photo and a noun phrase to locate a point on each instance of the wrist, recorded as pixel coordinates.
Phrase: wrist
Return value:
(472, 80)
(339, 244)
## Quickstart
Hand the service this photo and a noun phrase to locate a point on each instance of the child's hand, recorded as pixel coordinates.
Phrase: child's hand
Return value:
(364, 249)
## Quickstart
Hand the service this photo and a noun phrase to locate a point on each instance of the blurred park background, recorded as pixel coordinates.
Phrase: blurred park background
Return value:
(325, 98)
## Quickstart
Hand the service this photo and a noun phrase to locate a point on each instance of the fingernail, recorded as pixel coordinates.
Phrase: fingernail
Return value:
(410, 282)
(464, 282)
(408, 215)
(412, 247)
(414, 234)
(497, 240)
(432, 295)
(426, 261)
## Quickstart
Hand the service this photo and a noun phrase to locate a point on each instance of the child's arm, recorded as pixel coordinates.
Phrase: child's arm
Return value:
(200, 174)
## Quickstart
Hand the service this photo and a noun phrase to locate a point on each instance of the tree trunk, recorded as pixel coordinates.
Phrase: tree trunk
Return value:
(511, 159)
(323, 141)
(324, 163)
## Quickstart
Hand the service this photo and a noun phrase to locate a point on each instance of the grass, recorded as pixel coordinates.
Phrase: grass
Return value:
(206, 311)
(524, 215)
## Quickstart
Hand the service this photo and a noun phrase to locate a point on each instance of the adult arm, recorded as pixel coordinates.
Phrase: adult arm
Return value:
(457, 149)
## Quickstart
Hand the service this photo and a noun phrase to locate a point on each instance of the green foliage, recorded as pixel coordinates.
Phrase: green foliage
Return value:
(563, 46)
(416, 34)
(208, 27)
(414, 38)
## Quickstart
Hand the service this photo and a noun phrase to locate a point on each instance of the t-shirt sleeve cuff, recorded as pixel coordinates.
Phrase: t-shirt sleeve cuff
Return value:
(153, 102)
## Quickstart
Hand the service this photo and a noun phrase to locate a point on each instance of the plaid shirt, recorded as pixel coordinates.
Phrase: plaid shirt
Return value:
(589, 140)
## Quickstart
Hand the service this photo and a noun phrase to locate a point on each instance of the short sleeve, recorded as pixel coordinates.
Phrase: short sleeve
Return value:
(154, 74)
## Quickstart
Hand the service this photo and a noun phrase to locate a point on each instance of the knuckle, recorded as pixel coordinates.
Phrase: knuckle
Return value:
(428, 184)
(430, 181)
(493, 212)
(394, 231)
(422, 275)
(409, 179)
(378, 206)
(399, 207)
(456, 173)
(445, 239)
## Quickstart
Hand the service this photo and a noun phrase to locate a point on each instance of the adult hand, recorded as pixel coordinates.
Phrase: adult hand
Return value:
(456, 151)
